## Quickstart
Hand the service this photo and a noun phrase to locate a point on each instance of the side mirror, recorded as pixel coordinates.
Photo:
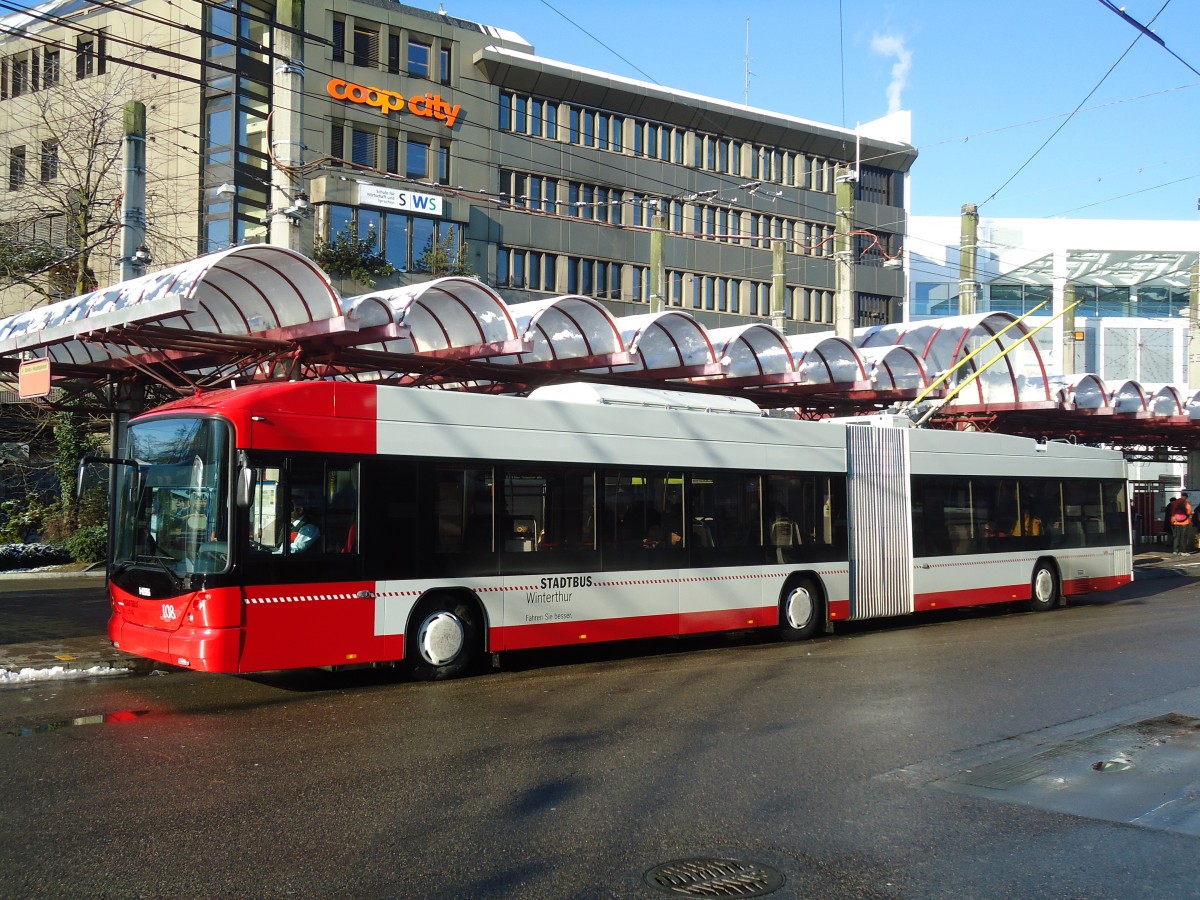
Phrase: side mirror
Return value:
(102, 460)
(247, 478)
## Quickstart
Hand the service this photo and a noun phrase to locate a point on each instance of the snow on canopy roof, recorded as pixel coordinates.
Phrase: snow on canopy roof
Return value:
(824, 358)
(569, 327)
(239, 291)
(749, 350)
(451, 316)
(893, 368)
(669, 341)
(1164, 400)
(1081, 391)
(1128, 398)
(942, 343)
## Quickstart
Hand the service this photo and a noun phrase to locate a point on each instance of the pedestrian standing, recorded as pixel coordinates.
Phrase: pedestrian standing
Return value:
(1180, 515)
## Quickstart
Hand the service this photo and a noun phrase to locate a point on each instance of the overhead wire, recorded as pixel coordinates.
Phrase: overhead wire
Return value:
(800, 202)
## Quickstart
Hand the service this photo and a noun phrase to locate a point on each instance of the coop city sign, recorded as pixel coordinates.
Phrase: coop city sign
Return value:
(429, 106)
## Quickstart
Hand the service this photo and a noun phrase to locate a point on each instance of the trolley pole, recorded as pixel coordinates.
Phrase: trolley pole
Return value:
(968, 279)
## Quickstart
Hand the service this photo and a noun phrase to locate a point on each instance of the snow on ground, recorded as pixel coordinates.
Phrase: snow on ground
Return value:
(57, 673)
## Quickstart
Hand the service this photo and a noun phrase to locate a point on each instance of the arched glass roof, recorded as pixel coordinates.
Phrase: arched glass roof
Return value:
(825, 359)
(893, 368)
(453, 317)
(668, 344)
(240, 312)
(752, 350)
(239, 291)
(572, 330)
(1015, 377)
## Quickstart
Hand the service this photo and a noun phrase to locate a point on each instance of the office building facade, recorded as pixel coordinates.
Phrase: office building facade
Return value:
(418, 132)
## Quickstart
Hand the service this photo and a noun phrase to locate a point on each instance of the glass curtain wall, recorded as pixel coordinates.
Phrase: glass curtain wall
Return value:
(236, 99)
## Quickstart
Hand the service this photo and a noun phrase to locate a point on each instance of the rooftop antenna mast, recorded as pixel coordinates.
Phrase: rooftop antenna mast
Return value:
(748, 73)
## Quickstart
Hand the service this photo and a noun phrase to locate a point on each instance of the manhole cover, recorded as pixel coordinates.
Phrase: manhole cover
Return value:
(714, 878)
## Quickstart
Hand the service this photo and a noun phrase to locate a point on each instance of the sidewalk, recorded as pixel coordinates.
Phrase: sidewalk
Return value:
(43, 634)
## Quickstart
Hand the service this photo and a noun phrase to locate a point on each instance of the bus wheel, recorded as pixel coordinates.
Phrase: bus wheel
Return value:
(1043, 588)
(801, 611)
(444, 638)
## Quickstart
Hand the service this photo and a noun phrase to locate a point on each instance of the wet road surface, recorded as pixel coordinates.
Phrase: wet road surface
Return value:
(854, 766)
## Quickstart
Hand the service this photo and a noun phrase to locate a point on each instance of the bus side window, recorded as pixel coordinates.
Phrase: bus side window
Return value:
(307, 532)
(342, 515)
(463, 510)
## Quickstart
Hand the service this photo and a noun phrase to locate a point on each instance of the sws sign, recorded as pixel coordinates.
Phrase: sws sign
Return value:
(429, 106)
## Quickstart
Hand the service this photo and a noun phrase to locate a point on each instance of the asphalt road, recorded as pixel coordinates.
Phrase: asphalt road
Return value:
(851, 766)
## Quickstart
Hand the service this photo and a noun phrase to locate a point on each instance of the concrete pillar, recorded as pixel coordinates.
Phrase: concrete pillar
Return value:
(658, 272)
(1192, 477)
(968, 259)
(1068, 331)
(845, 315)
(1058, 302)
(291, 223)
(134, 254)
(779, 285)
(1192, 375)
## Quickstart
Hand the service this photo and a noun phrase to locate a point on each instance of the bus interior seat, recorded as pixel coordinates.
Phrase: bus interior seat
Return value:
(784, 533)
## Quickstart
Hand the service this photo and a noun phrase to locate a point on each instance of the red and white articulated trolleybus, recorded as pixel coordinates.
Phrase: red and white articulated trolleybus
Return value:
(289, 525)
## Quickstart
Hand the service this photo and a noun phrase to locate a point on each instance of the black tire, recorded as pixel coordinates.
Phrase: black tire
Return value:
(801, 610)
(444, 638)
(1044, 592)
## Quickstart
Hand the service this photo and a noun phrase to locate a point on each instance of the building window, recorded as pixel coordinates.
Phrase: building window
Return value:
(85, 57)
(3, 79)
(337, 142)
(443, 165)
(400, 238)
(362, 148)
(20, 77)
(339, 40)
(366, 46)
(416, 159)
(392, 154)
(16, 168)
(418, 58)
(444, 64)
(49, 160)
(51, 68)
(393, 60)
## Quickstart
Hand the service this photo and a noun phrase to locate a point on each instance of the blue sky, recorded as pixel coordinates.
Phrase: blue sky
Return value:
(987, 84)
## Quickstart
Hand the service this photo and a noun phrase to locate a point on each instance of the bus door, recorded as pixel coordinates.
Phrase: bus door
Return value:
(879, 505)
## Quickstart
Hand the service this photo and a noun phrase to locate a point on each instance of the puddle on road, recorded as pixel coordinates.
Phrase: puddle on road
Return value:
(1143, 773)
(123, 715)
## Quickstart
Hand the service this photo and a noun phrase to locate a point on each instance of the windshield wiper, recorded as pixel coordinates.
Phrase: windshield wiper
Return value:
(159, 561)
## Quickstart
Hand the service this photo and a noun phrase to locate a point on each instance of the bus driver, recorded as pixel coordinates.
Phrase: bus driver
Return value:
(303, 532)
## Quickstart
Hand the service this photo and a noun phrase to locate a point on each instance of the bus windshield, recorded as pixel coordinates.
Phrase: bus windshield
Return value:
(173, 508)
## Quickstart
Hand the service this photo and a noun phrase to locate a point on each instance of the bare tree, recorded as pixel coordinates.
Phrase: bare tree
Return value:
(60, 220)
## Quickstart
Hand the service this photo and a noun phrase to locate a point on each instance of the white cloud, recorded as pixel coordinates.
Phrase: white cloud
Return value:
(893, 45)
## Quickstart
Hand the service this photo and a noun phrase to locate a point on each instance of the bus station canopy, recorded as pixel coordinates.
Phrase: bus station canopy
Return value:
(256, 289)
(261, 312)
